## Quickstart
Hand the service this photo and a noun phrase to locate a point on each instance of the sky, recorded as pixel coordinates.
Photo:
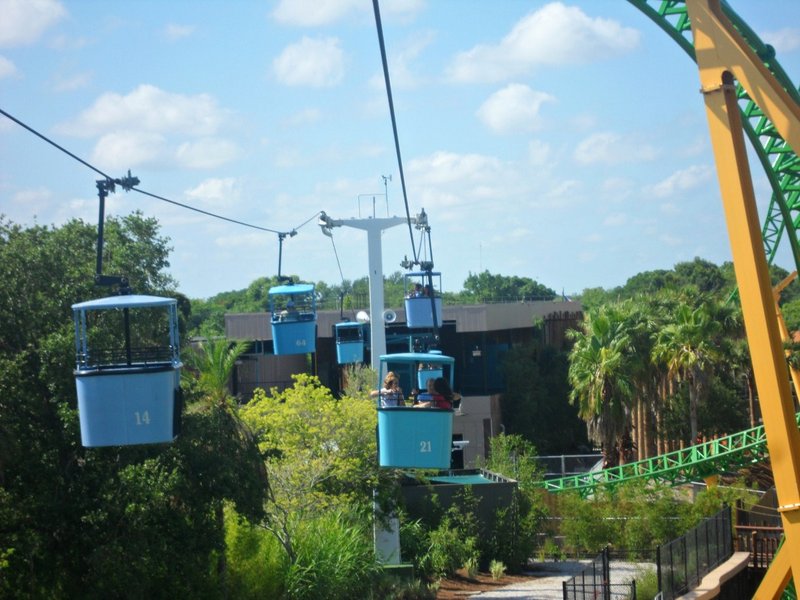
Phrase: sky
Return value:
(562, 141)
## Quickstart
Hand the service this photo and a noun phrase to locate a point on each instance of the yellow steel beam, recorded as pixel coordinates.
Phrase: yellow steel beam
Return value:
(722, 57)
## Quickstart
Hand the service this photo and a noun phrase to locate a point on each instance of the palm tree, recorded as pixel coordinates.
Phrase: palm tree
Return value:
(601, 373)
(689, 348)
(212, 364)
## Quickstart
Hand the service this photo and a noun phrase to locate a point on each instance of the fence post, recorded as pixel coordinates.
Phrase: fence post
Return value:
(606, 574)
(658, 568)
(564, 588)
(697, 554)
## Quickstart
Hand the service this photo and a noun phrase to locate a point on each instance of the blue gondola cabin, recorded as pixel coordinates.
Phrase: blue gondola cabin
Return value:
(293, 318)
(423, 300)
(349, 342)
(127, 371)
(410, 437)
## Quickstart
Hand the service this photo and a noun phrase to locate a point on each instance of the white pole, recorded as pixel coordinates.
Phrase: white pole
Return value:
(374, 228)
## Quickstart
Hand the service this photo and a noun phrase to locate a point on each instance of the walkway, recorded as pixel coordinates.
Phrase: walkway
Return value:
(548, 585)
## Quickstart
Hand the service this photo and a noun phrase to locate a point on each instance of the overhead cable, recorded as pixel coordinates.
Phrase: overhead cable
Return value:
(141, 191)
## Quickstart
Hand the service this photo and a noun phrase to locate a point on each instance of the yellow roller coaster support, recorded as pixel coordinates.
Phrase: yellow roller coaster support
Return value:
(722, 57)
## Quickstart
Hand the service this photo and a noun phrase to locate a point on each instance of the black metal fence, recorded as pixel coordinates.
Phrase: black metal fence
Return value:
(594, 583)
(683, 562)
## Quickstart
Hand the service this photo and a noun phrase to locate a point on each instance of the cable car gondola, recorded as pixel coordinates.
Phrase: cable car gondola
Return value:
(127, 371)
(349, 337)
(294, 318)
(410, 437)
(423, 301)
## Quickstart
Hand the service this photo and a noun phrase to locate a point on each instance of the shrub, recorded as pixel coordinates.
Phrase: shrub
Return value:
(471, 566)
(646, 584)
(335, 559)
(257, 564)
(497, 569)
(447, 551)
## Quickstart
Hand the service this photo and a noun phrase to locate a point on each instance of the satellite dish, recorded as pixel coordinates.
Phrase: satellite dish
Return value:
(362, 316)
(389, 316)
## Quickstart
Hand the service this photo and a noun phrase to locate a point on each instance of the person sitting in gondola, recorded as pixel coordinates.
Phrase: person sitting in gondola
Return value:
(427, 395)
(442, 396)
(390, 394)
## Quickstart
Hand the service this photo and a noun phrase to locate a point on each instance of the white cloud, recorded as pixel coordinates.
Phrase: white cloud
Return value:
(306, 116)
(444, 168)
(615, 220)
(206, 153)
(174, 32)
(538, 152)
(24, 21)
(513, 109)
(612, 148)
(70, 84)
(311, 62)
(553, 35)
(680, 181)
(313, 13)
(783, 40)
(317, 13)
(215, 192)
(128, 149)
(7, 68)
(148, 108)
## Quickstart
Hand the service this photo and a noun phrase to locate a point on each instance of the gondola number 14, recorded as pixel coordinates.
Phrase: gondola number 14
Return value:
(142, 418)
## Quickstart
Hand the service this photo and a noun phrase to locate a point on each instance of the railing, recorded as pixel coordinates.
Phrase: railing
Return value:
(761, 542)
(119, 357)
(564, 465)
(594, 582)
(682, 563)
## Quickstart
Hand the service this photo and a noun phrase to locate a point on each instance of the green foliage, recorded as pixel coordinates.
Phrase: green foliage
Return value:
(589, 525)
(359, 380)
(212, 362)
(72, 515)
(257, 564)
(646, 584)
(485, 287)
(512, 456)
(448, 550)
(335, 558)
(536, 399)
(497, 569)
(471, 566)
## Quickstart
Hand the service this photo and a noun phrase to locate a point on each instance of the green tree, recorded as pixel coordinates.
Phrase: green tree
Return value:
(602, 374)
(486, 287)
(319, 453)
(72, 515)
(688, 348)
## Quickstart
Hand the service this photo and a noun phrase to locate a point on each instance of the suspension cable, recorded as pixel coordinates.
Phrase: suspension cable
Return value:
(394, 122)
(141, 191)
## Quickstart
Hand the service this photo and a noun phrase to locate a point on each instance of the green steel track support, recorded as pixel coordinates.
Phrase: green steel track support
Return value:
(698, 461)
(778, 160)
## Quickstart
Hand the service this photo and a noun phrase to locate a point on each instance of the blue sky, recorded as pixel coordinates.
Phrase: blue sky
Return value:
(562, 141)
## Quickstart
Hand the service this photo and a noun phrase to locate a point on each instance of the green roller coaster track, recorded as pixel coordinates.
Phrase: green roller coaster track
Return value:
(689, 464)
(781, 165)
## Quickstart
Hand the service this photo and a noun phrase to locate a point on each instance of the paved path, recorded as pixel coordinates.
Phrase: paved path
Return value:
(548, 585)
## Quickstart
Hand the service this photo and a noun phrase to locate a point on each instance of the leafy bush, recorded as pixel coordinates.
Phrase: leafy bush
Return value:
(646, 584)
(471, 566)
(335, 559)
(257, 564)
(497, 569)
(447, 550)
